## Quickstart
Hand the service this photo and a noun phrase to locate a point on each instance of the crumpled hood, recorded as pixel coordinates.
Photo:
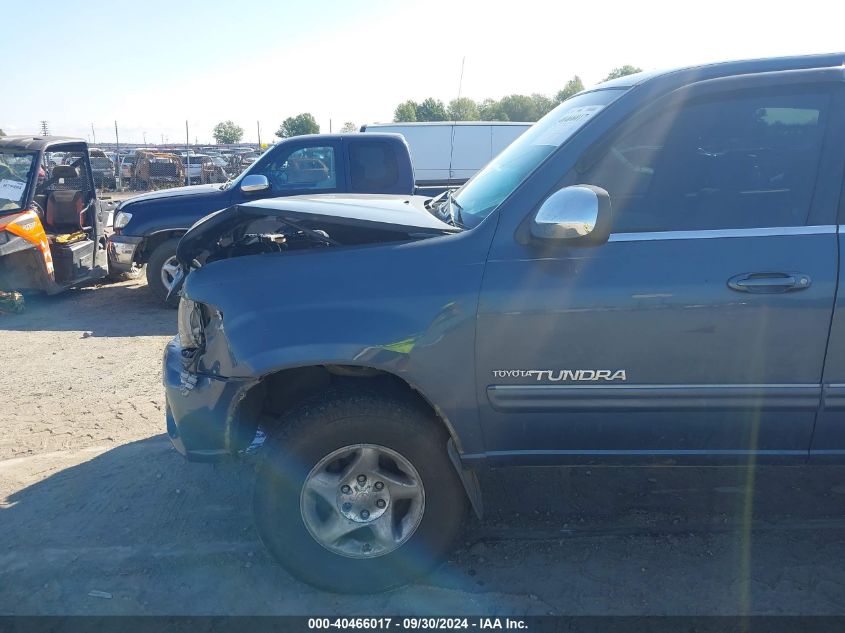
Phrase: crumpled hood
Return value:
(176, 192)
(383, 213)
(382, 209)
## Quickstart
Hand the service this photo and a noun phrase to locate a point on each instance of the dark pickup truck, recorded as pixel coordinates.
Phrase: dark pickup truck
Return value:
(647, 276)
(148, 227)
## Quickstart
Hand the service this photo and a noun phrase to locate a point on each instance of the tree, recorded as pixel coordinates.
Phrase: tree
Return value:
(349, 126)
(227, 132)
(2, 133)
(298, 125)
(406, 112)
(572, 87)
(627, 69)
(491, 110)
(432, 110)
(542, 104)
(463, 109)
(519, 108)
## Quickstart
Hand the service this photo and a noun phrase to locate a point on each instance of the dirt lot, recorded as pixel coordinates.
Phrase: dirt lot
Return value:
(93, 498)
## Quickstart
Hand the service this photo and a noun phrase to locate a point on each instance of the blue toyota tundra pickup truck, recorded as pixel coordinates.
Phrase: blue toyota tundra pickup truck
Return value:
(649, 275)
(147, 227)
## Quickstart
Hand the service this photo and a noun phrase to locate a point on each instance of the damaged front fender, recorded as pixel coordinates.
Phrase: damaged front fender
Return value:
(208, 417)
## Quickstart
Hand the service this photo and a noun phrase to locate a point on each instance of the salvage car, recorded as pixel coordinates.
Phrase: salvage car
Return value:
(156, 170)
(103, 170)
(126, 164)
(648, 276)
(193, 167)
(214, 169)
(147, 228)
(52, 234)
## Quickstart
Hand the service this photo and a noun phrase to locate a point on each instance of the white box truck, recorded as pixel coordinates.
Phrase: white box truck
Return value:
(450, 152)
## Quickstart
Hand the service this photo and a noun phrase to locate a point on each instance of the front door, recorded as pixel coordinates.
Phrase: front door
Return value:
(699, 329)
(300, 168)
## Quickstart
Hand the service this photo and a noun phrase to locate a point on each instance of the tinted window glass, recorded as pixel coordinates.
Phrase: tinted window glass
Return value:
(304, 168)
(372, 166)
(732, 162)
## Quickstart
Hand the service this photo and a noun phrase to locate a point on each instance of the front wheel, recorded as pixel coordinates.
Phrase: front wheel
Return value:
(161, 269)
(356, 493)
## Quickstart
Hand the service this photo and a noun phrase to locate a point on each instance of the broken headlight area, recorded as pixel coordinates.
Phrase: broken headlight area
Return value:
(192, 319)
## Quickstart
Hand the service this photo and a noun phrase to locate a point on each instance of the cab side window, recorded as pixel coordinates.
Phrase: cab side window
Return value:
(310, 168)
(731, 162)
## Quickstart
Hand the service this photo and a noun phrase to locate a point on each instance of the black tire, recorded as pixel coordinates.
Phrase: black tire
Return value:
(159, 256)
(317, 428)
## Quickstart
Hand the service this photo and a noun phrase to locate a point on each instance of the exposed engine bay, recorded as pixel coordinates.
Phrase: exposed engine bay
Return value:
(284, 236)
(251, 230)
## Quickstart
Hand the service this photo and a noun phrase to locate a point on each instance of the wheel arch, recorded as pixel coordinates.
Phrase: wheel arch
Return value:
(278, 391)
(153, 240)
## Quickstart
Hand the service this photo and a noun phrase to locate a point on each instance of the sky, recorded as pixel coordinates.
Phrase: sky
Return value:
(153, 65)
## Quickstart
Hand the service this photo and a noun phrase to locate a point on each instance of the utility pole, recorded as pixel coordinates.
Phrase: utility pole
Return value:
(188, 157)
(330, 126)
(45, 130)
(117, 171)
(93, 134)
(258, 126)
(145, 138)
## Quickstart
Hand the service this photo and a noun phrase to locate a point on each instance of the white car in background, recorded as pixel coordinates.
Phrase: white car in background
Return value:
(193, 167)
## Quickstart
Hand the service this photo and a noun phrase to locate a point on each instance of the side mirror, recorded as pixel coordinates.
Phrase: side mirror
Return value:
(578, 213)
(253, 182)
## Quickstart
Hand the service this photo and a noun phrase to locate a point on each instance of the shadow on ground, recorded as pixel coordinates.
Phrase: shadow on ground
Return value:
(136, 312)
(162, 536)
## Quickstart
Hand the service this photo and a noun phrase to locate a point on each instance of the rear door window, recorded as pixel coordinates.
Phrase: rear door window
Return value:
(373, 166)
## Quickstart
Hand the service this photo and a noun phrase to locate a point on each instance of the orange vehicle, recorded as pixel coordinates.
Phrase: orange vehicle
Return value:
(52, 235)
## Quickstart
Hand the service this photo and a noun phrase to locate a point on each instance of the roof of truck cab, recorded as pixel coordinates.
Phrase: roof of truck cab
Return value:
(436, 123)
(35, 143)
(730, 68)
(333, 137)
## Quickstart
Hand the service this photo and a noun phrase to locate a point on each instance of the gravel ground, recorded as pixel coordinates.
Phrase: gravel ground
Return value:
(94, 499)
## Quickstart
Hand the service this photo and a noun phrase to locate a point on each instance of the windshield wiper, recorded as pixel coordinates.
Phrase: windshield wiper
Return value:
(435, 201)
(456, 218)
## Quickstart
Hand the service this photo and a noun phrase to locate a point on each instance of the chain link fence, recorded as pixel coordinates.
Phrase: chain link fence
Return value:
(151, 168)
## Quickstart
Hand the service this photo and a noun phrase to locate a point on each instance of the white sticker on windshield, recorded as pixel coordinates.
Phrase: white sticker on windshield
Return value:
(564, 127)
(11, 190)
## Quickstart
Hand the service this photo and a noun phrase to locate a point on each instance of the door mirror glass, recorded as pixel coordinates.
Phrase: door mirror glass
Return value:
(579, 212)
(252, 183)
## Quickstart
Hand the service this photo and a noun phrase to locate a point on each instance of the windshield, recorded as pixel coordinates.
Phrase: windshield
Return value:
(15, 173)
(489, 187)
